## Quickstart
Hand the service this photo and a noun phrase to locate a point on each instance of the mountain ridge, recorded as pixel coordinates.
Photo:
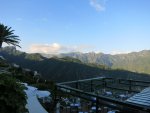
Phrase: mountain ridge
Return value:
(134, 61)
(65, 69)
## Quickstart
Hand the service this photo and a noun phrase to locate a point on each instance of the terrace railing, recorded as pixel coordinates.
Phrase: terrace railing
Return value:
(85, 89)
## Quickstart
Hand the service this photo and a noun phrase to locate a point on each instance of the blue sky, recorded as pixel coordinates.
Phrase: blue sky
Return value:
(54, 26)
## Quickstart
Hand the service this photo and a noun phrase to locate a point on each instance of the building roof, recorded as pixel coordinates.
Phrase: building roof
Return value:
(142, 98)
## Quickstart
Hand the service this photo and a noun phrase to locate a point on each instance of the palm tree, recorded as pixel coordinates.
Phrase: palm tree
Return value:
(7, 36)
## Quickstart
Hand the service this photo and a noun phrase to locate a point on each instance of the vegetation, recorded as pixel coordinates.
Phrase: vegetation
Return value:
(7, 36)
(12, 96)
(57, 69)
(61, 69)
(135, 61)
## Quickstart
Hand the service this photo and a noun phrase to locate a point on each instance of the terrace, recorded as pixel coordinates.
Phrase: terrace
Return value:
(101, 95)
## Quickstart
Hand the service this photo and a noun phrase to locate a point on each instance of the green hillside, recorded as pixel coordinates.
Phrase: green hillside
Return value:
(64, 69)
(135, 61)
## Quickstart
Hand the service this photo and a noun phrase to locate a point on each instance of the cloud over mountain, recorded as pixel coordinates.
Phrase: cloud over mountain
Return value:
(56, 48)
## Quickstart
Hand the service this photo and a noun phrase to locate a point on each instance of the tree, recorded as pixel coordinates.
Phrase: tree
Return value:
(7, 36)
(12, 95)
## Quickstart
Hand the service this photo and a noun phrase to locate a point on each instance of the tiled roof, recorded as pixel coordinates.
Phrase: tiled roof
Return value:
(142, 98)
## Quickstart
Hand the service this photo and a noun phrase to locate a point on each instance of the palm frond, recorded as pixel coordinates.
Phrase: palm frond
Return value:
(7, 35)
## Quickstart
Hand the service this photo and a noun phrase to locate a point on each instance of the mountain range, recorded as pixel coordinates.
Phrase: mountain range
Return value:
(65, 68)
(135, 61)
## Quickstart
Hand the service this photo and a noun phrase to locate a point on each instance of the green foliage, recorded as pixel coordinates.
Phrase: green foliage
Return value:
(45, 85)
(12, 96)
(69, 59)
(35, 57)
(3, 64)
(7, 36)
(61, 69)
(98, 66)
(135, 61)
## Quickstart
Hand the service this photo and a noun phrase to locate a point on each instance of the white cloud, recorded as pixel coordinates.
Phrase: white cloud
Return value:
(120, 52)
(56, 48)
(99, 6)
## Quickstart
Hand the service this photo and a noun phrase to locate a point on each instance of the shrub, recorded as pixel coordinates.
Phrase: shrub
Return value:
(12, 96)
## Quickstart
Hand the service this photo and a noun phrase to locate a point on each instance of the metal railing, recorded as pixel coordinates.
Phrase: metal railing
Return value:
(75, 88)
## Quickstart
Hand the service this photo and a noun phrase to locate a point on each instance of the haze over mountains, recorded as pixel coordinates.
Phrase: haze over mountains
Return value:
(135, 61)
(67, 68)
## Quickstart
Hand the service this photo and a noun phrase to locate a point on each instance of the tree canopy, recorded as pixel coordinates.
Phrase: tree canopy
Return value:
(12, 96)
(7, 35)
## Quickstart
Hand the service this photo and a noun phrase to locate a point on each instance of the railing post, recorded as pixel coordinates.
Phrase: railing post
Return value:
(97, 105)
(130, 87)
(119, 81)
(91, 86)
(77, 85)
(104, 83)
(55, 92)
